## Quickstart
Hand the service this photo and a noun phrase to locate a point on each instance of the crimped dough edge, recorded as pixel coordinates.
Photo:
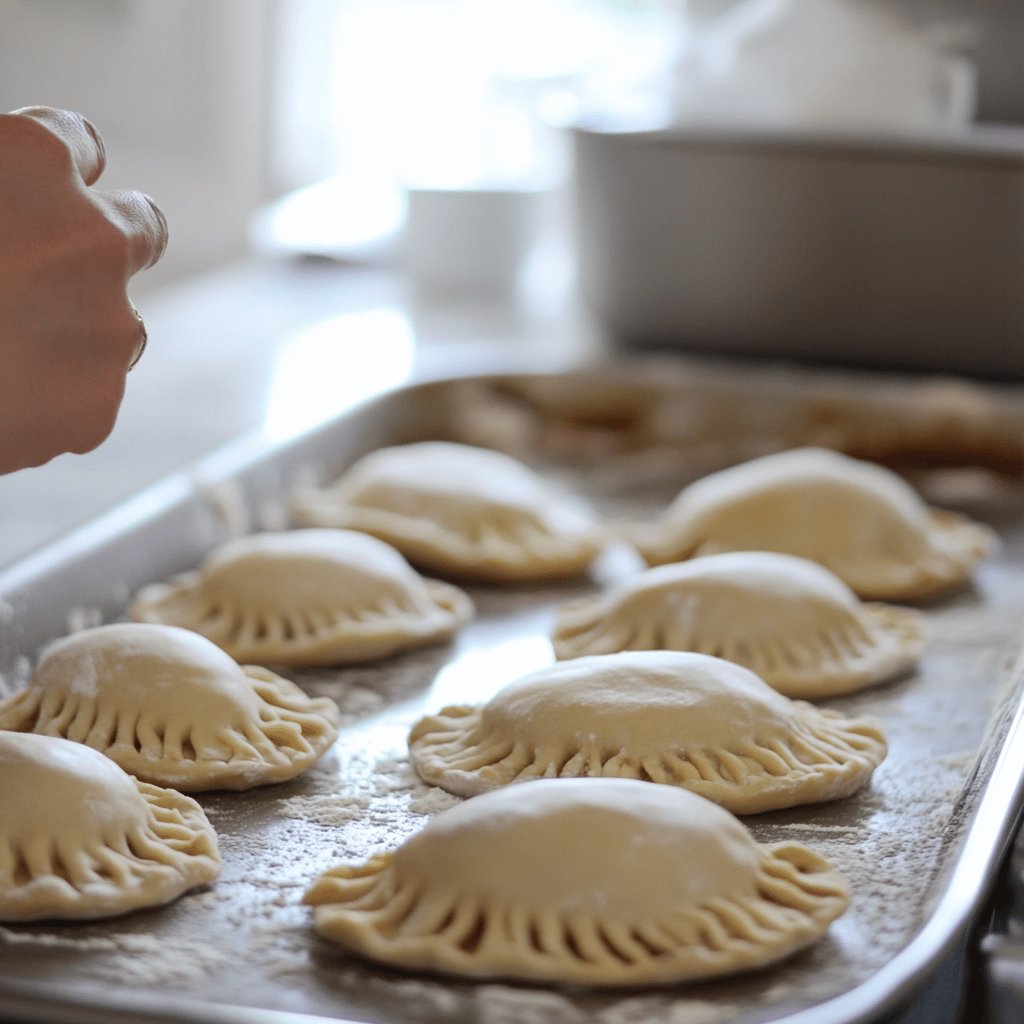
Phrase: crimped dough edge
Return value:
(380, 910)
(291, 733)
(172, 851)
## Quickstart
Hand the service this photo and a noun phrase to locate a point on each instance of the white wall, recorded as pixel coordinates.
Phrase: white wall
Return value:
(178, 90)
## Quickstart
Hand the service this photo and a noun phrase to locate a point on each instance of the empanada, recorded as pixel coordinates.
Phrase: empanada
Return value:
(453, 509)
(684, 719)
(862, 521)
(80, 838)
(172, 708)
(583, 881)
(790, 620)
(308, 597)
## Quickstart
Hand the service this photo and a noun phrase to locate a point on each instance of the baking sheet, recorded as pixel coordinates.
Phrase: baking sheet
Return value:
(919, 846)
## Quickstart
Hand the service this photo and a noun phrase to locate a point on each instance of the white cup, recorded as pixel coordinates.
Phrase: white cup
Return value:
(469, 241)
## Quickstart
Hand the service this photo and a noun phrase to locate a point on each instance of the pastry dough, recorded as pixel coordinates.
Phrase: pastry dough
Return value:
(672, 717)
(308, 597)
(790, 620)
(584, 881)
(858, 519)
(453, 509)
(171, 707)
(80, 838)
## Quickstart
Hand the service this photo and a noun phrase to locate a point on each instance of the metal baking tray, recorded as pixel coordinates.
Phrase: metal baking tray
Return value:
(921, 846)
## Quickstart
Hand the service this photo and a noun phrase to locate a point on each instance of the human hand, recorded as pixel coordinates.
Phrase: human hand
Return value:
(68, 332)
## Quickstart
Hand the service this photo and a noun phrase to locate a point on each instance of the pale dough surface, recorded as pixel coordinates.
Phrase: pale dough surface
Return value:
(860, 520)
(670, 717)
(308, 597)
(80, 838)
(790, 620)
(172, 708)
(588, 881)
(456, 509)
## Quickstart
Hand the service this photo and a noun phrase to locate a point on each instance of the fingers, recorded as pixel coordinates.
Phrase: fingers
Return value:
(77, 133)
(142, 222)
(138, 218)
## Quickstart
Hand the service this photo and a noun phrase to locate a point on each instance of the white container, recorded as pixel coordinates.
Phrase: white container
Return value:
(900, 252)
(469, 241)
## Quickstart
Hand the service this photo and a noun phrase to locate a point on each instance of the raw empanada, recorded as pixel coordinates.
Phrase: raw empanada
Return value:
(790, 620)
(453, 509)
(674, 717)
(582, 881)
(171, 707)
(858, 519)
(80, 838)
(308, 597)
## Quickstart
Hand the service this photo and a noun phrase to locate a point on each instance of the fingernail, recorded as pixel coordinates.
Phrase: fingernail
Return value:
(164, 231)
(101, 149)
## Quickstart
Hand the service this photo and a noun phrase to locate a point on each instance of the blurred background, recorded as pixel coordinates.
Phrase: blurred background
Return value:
(219, 107)
(359, 189)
